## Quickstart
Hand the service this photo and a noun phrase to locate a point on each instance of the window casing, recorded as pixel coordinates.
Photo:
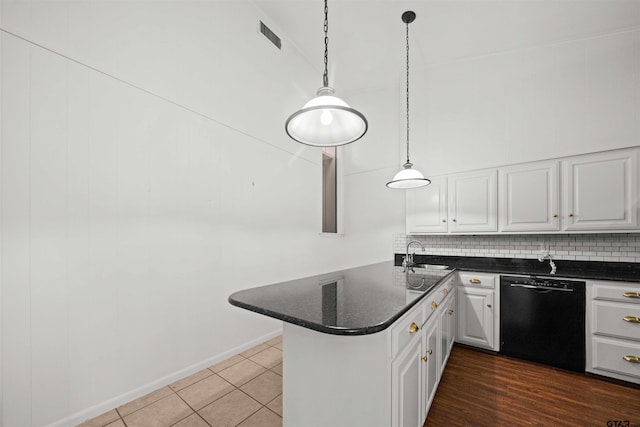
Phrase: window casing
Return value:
(329, 190)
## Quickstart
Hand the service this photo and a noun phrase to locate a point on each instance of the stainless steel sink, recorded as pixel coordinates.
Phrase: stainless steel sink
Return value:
(431, 266)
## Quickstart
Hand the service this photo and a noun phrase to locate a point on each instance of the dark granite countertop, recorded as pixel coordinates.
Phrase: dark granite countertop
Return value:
(356, 301)
(598, 270)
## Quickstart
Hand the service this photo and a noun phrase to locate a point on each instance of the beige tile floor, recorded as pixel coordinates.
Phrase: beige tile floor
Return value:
(244, 390)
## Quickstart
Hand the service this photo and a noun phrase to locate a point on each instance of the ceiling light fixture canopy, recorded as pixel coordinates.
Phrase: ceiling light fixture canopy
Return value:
(408, 177)
(326, 120)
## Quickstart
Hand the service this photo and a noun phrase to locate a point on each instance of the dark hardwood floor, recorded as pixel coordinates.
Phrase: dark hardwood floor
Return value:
(481, 389)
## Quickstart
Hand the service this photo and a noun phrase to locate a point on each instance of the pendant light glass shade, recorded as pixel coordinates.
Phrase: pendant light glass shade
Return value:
(408, 177)
(326, 121)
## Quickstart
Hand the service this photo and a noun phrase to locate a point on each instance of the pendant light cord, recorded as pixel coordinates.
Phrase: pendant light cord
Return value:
(408, 93)
(325, 76)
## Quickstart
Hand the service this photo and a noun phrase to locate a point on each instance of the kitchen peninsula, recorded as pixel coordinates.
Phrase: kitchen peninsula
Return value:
(362, 347)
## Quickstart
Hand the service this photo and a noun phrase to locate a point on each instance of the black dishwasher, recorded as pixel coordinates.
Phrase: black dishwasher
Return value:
(542, 320)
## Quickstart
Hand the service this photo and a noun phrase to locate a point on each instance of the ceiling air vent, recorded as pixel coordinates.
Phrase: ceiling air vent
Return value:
(270, 35)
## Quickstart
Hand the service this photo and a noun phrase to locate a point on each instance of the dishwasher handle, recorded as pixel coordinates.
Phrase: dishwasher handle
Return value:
(541, 288)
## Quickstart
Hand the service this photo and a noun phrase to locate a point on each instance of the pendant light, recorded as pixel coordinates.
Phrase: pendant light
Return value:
(326, 120)
(408, 177)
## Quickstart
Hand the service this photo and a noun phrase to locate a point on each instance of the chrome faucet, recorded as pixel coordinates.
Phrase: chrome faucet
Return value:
(546, 255)
(407, 261)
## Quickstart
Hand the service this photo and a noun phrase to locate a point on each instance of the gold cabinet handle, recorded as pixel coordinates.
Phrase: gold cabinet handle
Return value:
(444, 220)
(632, 359)
(632, 294)
(450, 312)
(424, 358)
(489, 305)
(631, 319)
(475, 281)
(555, 215)
(453, 282)
(434, 305)
(429, 351)
(445, 291)
(570, 215)
(413, 328)
(454, 220)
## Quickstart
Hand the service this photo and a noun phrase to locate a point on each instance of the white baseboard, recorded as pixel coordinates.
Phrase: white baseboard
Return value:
(108, 405)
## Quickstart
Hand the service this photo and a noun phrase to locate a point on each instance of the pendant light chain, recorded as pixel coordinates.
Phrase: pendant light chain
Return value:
(326, 120)
(325, 77)
(408, 92)
(408, 177)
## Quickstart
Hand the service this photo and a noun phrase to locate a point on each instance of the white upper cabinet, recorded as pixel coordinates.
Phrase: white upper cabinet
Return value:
(427, 208)
(529, 197)
(600, 191)
(595, 192)
(473, 202)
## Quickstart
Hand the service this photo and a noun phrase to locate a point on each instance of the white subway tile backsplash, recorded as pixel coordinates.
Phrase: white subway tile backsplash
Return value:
(622, 247)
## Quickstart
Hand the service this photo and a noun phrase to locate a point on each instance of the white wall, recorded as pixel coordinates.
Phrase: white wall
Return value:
(145, 177)
(373, 212)
(554, 99)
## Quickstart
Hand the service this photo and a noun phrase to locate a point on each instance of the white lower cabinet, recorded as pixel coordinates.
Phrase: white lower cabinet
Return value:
(374, 380)
(431, 369)
(447, 330)
(416, 371)
(613, 329)
(478, 310)
(406, 371)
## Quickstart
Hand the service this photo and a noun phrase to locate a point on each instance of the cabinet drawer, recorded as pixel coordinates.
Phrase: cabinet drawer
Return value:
(449, 285)
(622, 292)
(403, 331)
(616, 319)
(477, 279)
(608, 355)
(433, 301)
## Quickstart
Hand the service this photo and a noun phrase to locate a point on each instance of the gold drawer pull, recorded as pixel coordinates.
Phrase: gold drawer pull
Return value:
(413, 328)
(632, 294)
(424, 358)
(445, 291)
(632, 359)
(475, 281)
(450, 312)
(631, 319)
(429, 351)
(434, 305)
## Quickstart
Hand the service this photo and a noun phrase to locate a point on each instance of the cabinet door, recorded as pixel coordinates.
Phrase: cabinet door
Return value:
(601, 191)
(406, 372)
(431, 366)
(529, 197)
(427, 208)
(446, 331)
(475, 317)
(472, 202)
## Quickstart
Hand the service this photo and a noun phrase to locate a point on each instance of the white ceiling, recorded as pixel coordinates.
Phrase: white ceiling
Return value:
(367, 37)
